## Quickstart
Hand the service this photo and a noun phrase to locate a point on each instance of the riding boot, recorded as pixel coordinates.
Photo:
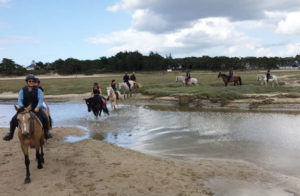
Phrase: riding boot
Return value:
(46, 132)
(13, 124)
(10, 135)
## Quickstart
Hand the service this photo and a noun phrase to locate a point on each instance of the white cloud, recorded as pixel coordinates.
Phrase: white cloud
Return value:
(202, 35)
(290, 50)
(290, 24)
(214, 28)
(177, 14)
(4, 3)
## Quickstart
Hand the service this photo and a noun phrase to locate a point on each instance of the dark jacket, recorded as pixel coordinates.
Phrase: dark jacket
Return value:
(30, 97)
(126, 78)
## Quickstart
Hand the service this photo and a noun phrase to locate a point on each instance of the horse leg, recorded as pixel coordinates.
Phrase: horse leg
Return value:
(42, 154)
(38, 157)
(27, 161)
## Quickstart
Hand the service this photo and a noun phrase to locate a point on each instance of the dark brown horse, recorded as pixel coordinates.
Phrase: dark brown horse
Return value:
(30, 133)
(235, 79)
(96, 106)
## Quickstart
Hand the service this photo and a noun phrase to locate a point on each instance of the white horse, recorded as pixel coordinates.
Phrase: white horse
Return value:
(113, 98)
(123, 87)
(193, 81)
(263, 78)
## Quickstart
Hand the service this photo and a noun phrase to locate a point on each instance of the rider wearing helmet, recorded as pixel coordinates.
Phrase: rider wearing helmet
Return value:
(114, 87)
(132, 77)
(126, 79)
(30, 95)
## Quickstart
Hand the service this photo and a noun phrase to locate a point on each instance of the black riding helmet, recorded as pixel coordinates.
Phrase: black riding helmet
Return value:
(30, 76)
(37, 80)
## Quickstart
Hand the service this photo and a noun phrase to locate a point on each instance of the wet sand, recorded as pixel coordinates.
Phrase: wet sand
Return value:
(91, 167)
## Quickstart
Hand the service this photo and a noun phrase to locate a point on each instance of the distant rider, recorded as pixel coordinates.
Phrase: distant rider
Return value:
(30, 95)
(126, 79)
(132, 77)
(268, 74)
(230, 75)
(187, 77)
(114, 87)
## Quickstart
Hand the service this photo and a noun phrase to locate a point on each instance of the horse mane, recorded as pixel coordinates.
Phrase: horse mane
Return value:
(21, 109)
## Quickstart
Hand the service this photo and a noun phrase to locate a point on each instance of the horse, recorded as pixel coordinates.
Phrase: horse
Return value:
(123, 87)
(30, 133)
(192, 81)
(235, 79)
(96, 106)
(113, 98)
(260, 77)
(263, 78)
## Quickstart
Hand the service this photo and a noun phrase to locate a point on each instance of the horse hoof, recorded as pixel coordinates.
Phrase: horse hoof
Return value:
(40, 166)
(27, 180)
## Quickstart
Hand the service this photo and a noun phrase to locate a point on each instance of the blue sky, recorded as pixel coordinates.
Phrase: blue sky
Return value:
(46, 30)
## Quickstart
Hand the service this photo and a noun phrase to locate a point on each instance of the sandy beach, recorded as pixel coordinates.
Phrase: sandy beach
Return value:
(91, 167)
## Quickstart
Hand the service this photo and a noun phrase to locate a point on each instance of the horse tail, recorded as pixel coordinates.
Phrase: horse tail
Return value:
(240, 80)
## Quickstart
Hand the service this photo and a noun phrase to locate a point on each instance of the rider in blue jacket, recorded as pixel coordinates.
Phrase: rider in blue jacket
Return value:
(30, 95)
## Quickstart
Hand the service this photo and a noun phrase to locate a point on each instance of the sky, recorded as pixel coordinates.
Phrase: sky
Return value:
(47, 30)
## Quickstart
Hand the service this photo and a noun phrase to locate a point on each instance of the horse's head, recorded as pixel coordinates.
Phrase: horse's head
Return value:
(176, 78)
(89, 103)
(257, 77)
(108, 90)
(24, 118)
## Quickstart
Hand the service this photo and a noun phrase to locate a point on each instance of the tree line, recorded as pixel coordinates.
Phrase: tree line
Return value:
(135, 61)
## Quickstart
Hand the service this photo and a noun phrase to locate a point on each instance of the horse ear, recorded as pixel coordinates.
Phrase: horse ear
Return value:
(16, 108)
(28, 108)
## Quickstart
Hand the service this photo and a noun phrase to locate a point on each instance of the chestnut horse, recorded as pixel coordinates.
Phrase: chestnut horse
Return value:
(235, 79)
(30, 133)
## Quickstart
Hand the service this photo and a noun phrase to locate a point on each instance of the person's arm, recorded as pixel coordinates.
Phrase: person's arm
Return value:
(20, 98)
(40, 99)
(100, 91)
(92, 92)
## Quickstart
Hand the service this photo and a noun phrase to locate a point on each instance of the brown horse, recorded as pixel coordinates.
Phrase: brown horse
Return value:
(235, 79)
(30, 133)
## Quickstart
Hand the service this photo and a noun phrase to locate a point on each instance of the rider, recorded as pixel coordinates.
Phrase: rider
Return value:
(268, 74)
(230, 75)
(37, 84)
(187, 77)
(126, 79)
(30, 95)
(96, 93)
(132, 77)
(114, 87)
